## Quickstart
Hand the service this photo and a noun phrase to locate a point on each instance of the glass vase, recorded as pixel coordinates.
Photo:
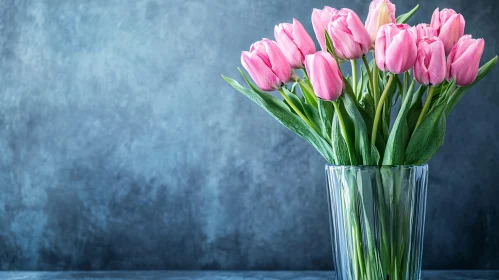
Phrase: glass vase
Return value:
(377, 221)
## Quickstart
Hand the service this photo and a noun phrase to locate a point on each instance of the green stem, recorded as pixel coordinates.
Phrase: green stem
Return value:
(311, 99)
(366, 64)
(380, 108)
(426, 107)
(344, 132)
(354, 75)
(297, 111)
(305, 84)
(376, 83)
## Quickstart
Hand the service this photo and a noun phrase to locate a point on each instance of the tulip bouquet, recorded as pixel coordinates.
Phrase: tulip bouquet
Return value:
(426, 68)
(377, 175)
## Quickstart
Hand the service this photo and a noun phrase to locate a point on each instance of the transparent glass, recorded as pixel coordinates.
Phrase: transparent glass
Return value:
(377, 221)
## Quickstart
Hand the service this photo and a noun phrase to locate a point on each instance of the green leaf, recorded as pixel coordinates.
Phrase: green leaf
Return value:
(348, 88)
(307, 110)
(380, 140)
(326, 113)
(314, 117)
(399, 137)
(385, 120)
(407, 79)
(308, 93)
(461, 91)
(427, 138)
(367, 103)
(368, 152)
(405, 17)
(416, 107)
(330, 47)
(365, 79)
(295, 99)
(340, 148)
(293, 88)
(281, 113)
(417, 99)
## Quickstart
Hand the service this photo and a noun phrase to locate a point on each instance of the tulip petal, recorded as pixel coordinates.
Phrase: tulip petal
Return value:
(280, 65)
(451, 31)
(401, 53)
(344, 44)
(263, 76)
(358, 31)
(465, 67)
(320, 22)
(435, 21)
(420, 70)
(302, 39)
(380, 50)
(324, 75)
(437, 68)
(380, 12)
(288, 47)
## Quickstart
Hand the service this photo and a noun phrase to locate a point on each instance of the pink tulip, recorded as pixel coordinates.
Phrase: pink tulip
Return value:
(464, 60)
(267, 65)
(320, 22)
(294, 42)
(349, 36)
(381, 12)
(449, 26)
(430, 67)
(324, 75)
(396, 48)
(424, 30)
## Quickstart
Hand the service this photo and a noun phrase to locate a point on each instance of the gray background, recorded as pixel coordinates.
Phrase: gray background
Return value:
(121, 147)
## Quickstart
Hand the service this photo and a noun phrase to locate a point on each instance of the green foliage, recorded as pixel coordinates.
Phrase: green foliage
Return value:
(429, 136)
(277, 109)
(461, 91)
(340, 148)
(326, 113)
(405, 17)
(342, 130)
(368, 153)
(399, 136)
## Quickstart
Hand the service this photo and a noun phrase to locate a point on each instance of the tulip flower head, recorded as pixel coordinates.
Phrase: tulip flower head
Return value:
(424, 30)
(325, 75)
(349, 36)
(267, 65)
(464, 60)
(430, 67)
(381, 12)
(294, 42)
(449, 26)
(320, 22)
(396, 48)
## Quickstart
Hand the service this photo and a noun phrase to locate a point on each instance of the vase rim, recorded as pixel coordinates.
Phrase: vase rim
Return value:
(377, 166)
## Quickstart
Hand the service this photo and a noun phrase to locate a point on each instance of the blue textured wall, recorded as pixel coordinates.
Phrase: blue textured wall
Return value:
(122, 148)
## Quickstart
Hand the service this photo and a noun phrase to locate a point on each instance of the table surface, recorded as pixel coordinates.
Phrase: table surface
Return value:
(226, 275)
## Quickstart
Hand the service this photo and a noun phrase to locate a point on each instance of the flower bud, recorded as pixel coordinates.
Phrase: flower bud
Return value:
(395, 48)
(464, 60)
(424, 30)
(349, 36)
(449, 26)
(320, 22)
(324, 75)
(381, 12)
(294, 42)
(430, 67)
(267, 65)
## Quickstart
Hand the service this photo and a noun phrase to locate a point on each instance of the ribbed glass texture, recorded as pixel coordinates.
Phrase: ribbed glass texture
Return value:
(377, 221)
